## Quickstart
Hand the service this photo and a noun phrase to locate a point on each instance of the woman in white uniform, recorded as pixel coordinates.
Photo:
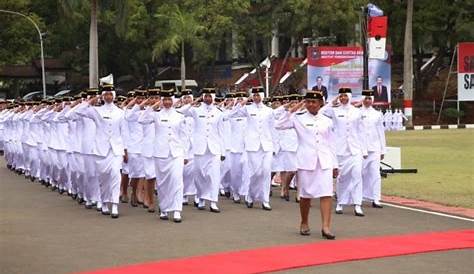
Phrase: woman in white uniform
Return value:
(351, 148)
(169, 154)
(315, 157)
(375, 136)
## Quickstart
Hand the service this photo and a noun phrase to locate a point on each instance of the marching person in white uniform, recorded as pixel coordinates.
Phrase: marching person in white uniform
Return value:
(373, 132)
(169, 154)
(316, 158)
(110, 124)
(188, 172)
(351, 148)
(208, 148)
(259, 146)
(134, 143)
(238, 157)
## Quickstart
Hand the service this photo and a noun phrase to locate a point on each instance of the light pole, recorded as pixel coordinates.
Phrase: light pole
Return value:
(43, 76)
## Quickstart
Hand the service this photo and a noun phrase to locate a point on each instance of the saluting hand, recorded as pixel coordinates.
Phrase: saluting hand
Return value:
(93, 100)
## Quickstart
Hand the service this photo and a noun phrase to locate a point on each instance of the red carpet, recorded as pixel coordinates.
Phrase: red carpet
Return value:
(311, 254)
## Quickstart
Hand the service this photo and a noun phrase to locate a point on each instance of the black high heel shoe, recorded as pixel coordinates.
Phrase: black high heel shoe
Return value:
(328, 235)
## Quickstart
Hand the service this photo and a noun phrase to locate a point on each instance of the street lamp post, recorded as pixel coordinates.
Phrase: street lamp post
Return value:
(43, 76)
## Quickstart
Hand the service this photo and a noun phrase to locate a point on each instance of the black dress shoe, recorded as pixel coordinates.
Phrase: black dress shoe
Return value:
(236, 201)
(287, 198)
(74, 196)
(375, 205)
(54, 188)
(358, 214)
(61, 191)
(151, 210)
(328, 235)
(114, 216)
(227, 194)
(185, 203)
(145, 206)
(305, 232)
(196, 204)
(177, 220)
(164, 218)
(249, 204)
(215, 210)
(297, 199)
(98, 209)
(267, 208)
(339, 212)
(32, 179)
(105, 213)
(88, 206)
(80, 201)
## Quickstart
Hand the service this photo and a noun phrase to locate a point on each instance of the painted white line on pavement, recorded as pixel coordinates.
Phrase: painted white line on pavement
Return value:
(429, 212)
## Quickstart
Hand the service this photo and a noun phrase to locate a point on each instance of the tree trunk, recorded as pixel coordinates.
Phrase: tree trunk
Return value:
(183, 68)
(93, 48)
(408, 65)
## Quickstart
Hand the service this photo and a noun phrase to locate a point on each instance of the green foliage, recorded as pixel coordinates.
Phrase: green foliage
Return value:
(453, 113)
(134, 35)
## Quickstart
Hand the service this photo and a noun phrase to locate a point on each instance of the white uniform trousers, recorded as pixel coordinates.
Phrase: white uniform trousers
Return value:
(77, 167)
(169, 175)
(260, 164)
(90, 178)
(18, 162)
(33, 161)
(108, 172)
(238, 173)
(60, 165)
(207, 172)
(371, 179)
(44, 163)
(349, 181)
(188, 178)
(26, 157)
(225, 172)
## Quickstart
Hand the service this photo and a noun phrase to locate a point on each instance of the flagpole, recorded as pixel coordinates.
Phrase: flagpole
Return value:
(364, 29)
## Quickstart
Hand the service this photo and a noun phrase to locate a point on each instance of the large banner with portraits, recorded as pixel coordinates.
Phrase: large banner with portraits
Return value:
(330, 68)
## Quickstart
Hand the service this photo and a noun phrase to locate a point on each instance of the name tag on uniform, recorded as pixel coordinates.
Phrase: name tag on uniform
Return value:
(310, 125)
(202, 116)
(239, 119)
(342, 115)
(253, 114)
(106, 117)
(164, 120)
(363, 116)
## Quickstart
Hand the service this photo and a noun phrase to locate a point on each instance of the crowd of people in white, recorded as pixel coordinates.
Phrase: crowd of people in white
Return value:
(95, 146)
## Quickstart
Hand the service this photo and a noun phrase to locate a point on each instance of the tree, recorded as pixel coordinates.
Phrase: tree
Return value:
(69, 7)
(183, 28)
